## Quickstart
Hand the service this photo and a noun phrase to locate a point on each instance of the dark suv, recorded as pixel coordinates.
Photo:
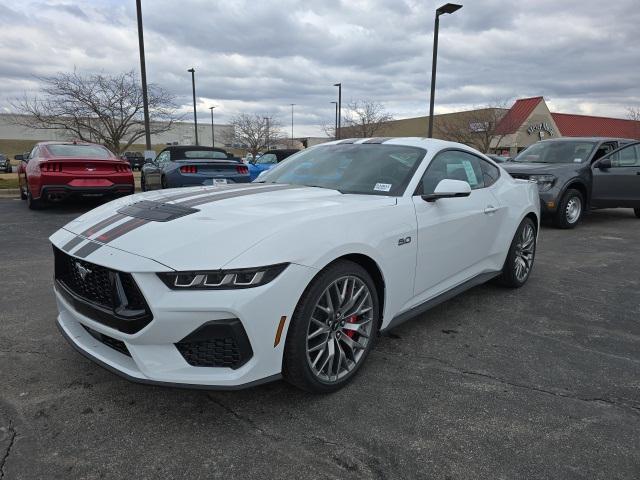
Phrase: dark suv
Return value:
(575, 174)
(135, 159)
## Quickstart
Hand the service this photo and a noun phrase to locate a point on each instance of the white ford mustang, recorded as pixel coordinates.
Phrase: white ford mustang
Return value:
(294, 276)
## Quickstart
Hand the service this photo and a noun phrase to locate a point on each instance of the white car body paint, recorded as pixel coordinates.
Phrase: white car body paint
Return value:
(451, 241)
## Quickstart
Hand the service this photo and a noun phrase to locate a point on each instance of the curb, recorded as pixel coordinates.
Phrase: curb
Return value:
(9, 192)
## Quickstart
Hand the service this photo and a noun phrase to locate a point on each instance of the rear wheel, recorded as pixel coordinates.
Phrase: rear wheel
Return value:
(143, 183)
(517, 267)
(164, 182)
(32, 203)
(23, 192)
(637, 212)
(570, 209)
(332, 329)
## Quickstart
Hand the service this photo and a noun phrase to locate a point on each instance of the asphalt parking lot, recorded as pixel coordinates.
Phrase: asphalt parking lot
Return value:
(543, 382)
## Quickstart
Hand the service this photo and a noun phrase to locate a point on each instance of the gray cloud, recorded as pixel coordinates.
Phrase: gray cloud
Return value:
(262, 56)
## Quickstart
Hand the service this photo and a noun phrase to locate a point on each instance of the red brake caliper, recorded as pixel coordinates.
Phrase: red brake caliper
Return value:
(352, 319)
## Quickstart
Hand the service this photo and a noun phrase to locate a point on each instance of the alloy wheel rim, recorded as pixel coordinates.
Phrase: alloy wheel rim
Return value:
(525, 252)
(573, 210)
(340, 328)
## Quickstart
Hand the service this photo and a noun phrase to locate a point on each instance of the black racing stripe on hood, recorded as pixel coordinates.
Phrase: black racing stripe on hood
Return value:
(134, 223)
(102, 224)
(237, 193)
(177, 196)
(72, 243)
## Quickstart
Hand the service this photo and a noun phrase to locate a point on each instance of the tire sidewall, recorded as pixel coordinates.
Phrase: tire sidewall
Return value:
(295, 346)
(508, 276)
(561, 215)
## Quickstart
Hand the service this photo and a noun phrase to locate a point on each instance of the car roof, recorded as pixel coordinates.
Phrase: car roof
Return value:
(186, 148)
(590, 139)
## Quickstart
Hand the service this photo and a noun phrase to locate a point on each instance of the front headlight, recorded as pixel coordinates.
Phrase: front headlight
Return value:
(545, 182)
(222, 279)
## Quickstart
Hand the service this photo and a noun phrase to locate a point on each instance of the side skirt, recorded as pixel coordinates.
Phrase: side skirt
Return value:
(437, 300)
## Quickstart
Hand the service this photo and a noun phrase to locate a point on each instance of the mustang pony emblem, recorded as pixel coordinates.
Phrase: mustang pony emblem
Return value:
(82, 271)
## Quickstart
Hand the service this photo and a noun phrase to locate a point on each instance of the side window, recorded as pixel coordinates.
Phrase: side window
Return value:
(603, 150)
(163, 158)
(269, 158)
(490, 173)
(627, 157)
(453, 165)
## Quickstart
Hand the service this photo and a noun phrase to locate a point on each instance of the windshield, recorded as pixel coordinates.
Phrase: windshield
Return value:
(203, 154)
(564, 151)
(79, 151)
(366, 168)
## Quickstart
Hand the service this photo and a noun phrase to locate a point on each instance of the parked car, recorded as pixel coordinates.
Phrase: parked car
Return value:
(232, 286)
(269, 160)
(184, 166)
(5, 164)
(569, 180)
(54, 171)
(135, 159)
(498, 158)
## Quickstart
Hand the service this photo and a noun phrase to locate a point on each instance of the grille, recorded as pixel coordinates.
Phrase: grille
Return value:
(95, 287)
(114, 343)
(98, 295)
(217, 352)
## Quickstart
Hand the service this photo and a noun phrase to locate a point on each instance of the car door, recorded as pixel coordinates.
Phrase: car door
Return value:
(153, 170)
(455, 235)
(619, 185)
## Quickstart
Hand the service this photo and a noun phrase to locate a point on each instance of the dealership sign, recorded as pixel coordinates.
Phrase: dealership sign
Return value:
(541, 128)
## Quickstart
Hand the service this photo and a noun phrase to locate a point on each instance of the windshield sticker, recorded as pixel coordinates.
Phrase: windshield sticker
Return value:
(577, 160)
(382, 187)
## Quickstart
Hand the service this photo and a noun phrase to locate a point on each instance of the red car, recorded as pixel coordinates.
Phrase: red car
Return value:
(54, 171)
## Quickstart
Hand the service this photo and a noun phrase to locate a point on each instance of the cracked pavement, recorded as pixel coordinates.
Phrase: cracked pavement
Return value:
(542, 382)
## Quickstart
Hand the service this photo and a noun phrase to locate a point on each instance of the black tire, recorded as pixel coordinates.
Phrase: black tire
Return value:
(295, 366)
(562, 218)
(143, 183)
(637, 212)
(163, 182)
(509, 277)
(23, 193)
(32, 203)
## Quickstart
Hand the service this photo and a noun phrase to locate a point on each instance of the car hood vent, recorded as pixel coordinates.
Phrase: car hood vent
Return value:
(156, 211)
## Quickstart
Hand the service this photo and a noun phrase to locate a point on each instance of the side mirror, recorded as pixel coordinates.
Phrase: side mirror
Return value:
(603, 163)
(449, 189)
(19, 157)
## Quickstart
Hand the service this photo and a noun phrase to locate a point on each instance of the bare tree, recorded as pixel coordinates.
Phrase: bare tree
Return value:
(255, 132)
(100, 108)
(479, 128)
(633, 113)
(363, 118)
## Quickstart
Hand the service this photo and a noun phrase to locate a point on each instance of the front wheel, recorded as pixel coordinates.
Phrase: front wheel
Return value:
(143, 183)
(637, 212)
(517, 267)
(332, 330)
(23, 192)
(570, 209)
(164, 182)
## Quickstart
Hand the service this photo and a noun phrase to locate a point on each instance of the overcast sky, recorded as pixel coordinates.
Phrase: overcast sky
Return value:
(260, 56)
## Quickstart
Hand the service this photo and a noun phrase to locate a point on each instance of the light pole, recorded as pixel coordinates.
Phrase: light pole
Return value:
(338, 132)
(447, 8)
(213, 131)
(292, 105)
(268, 139)
(335, 122)
(143, 75)
(193, 85)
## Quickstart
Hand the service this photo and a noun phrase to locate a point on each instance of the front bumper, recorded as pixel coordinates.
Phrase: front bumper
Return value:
(153, 353)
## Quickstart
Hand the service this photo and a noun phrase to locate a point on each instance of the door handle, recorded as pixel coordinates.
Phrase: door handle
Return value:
(490, 209)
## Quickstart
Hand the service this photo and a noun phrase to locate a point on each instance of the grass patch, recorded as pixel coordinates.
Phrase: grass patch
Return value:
(8, 181)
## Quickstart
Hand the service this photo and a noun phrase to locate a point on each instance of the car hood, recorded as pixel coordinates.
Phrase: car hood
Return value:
(228, 222)
(538, 168)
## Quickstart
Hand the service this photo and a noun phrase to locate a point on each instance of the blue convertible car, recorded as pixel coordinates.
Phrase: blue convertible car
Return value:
(187, 166)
